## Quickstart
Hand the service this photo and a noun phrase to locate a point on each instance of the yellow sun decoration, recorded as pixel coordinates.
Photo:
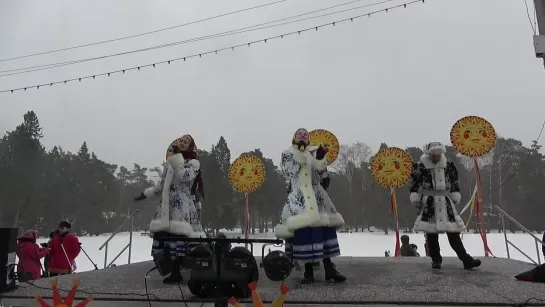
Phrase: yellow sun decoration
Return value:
(68, 301)
(473, 136)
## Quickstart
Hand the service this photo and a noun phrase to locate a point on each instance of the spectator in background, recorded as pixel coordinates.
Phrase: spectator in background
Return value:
(29, 254)
(415, 248)
(65, 248)
(48, 256)
(406, 249)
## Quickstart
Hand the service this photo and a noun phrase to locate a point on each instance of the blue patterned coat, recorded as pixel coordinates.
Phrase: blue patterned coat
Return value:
(308, 204)
(176, 213)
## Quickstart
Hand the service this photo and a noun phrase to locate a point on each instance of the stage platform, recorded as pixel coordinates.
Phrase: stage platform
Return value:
(371, 281)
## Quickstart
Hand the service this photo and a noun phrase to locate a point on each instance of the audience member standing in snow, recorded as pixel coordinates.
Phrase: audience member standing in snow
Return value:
(309, 219)
(435, 191)
(176, 213)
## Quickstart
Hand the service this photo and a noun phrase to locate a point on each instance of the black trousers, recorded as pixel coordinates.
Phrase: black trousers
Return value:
(455, 242)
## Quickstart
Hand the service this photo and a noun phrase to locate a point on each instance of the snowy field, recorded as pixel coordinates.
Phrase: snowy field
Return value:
(352, 244)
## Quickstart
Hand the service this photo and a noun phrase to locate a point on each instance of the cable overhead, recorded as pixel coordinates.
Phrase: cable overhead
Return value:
(142, 34)
(200, 55)
(29, 69)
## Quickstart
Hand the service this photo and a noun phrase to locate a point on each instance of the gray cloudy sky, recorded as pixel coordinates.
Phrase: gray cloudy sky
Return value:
(402, 77)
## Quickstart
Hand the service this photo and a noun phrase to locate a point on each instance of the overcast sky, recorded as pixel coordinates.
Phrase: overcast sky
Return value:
(402, 77)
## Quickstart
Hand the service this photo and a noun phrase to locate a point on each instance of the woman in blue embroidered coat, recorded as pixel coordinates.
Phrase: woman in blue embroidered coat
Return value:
(309, 219)
(176, 214)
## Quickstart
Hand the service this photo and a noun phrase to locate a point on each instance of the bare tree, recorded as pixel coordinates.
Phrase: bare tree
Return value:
(353, 158)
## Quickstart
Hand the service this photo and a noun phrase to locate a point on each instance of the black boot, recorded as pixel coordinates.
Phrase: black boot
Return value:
(331, 272)
(176, 275)
(436, 264)
(471, 263)
(308, 276)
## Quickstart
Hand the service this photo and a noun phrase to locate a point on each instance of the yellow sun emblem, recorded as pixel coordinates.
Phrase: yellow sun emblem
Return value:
(391, 167)
(473, 136)
(328, 140)
(57, 299)
(246, 173)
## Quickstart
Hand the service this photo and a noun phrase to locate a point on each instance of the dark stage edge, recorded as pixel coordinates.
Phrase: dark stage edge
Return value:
(371, 281)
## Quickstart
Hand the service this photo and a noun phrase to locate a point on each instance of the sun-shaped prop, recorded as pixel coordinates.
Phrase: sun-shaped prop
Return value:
(57, 299)
(473, 136)
(328, 140)
(177, 142)
(246, 173)
(392, 167)
(256, 298)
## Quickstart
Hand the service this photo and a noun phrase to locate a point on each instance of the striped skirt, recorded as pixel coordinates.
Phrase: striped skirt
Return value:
(311, 244)
(175, 248)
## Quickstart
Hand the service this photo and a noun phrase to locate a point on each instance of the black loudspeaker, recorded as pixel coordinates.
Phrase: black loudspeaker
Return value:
(8, 244)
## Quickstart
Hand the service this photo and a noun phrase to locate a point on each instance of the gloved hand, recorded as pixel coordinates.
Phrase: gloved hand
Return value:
(175, 149)
(325, 183)
(301, 145)
(320, 153)
(140, 197)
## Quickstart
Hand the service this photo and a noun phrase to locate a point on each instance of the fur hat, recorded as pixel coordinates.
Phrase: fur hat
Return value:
(434, 148)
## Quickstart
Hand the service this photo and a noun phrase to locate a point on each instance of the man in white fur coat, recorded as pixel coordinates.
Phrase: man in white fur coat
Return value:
(435, 191)
(176, 213)
(309, 219)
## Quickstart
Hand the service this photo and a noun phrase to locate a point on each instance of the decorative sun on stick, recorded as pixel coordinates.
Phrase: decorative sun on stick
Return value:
(57, 299)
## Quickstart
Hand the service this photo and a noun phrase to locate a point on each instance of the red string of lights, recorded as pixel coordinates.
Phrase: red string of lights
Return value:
(216, 51)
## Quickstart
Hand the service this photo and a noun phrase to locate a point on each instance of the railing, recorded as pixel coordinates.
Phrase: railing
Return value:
(128, 246)
(537, 241)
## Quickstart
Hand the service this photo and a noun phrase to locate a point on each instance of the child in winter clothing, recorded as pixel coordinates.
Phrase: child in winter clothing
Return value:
(29, 254)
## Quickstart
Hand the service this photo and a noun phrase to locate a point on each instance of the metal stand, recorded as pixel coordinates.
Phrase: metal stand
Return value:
(220, 301)
(83, 250)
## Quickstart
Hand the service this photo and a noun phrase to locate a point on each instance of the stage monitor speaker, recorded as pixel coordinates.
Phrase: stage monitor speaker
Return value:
(8, 243)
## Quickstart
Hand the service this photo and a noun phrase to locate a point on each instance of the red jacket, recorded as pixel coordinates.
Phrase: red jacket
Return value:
(29, 254)
(60, 262)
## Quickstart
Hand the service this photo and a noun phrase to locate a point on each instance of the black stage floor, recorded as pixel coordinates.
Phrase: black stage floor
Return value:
(371, 281)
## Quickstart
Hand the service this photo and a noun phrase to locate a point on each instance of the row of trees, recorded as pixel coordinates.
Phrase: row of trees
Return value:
(39, 187)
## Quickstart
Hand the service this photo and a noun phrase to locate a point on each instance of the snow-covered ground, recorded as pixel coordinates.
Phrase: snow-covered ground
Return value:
(352, 244)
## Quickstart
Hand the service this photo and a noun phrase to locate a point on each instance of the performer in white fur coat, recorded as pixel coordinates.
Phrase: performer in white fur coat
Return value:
(181, 183)
(309, 219)
(435, 191)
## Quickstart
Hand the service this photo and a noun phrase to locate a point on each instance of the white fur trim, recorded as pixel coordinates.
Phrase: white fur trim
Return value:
(197, 235)
(165, 198)
(415, 198)
(173, 227)
(150, 192)
(282, 232)
(176, 160)
(310, 215)
(428, 163)
(441, 223)
(299, 156)
(319, 165)
(434, 148)
(456, 197)
(323, 221)
(336, 220)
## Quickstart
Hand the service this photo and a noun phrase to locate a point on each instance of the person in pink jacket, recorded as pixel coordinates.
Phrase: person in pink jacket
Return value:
(29, 254)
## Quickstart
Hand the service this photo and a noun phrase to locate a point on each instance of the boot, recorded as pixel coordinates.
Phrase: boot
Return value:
(436, 265)
(176, 276)
(331, 272)
(471, 263)
(308, 276)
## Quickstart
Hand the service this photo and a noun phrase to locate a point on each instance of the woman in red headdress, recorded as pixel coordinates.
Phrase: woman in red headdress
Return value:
(29, 254)
(181, 183)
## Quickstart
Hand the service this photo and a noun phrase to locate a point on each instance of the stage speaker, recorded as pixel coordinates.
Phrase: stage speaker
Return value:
(8, 243)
